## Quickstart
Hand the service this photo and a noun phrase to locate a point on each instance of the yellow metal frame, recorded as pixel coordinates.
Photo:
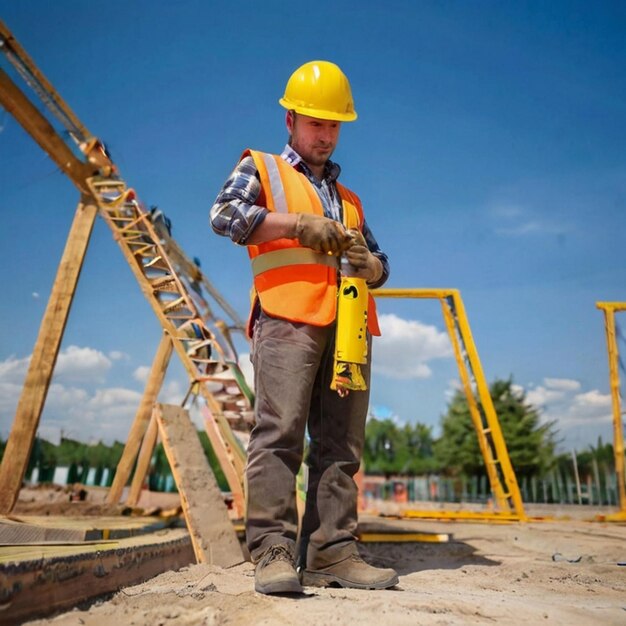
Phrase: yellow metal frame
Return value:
(609, 309)
(490, 439)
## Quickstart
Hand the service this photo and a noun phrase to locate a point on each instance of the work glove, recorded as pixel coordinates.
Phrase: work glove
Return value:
(364, 263)
(322, 234)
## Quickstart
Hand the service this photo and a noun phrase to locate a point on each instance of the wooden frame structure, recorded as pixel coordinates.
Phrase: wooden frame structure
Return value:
(174, 286)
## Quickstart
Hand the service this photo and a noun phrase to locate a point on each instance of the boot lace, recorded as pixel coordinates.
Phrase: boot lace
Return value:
(278, 552)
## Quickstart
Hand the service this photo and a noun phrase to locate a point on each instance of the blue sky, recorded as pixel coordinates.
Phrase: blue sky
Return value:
(489, 154)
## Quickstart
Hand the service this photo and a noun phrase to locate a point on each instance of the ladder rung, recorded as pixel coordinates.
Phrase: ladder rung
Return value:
(148, 250)
(134, 235)
(183, 316)
(155, 260)
(164, 283)
(174, 304)
(132, 222)
(97, 181)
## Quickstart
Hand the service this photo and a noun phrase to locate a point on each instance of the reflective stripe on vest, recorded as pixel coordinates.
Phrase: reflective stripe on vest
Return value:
(291, 256)
(278, 191)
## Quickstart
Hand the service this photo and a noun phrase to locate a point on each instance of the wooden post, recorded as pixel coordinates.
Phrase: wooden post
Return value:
(212, 533)
(43, 359)
(143, 462)
(142, 419)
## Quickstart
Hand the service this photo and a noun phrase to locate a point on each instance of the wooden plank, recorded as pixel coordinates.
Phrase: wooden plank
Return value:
(143, 462)
(86, 528)
(42, 583)
(22, 436)
(13, 532)
(18, 553)
(212, 534)
(142, 419)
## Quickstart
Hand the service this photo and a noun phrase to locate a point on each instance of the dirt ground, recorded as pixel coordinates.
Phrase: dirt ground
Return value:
(564, 571)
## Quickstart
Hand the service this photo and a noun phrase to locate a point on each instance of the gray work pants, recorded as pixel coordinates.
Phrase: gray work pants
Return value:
(293, 366)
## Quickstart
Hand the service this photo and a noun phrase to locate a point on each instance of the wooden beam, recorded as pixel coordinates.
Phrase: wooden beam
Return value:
(212, 533)
(143, 462)
(142, 419)
(38, 127)
(30, 405)
(46, 579)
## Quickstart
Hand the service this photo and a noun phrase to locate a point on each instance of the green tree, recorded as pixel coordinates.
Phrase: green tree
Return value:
(383, 443)
(530, 444)
(398, 450)
(419, 450)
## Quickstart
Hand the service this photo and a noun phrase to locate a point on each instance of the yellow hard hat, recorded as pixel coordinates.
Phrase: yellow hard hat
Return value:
(320, 89)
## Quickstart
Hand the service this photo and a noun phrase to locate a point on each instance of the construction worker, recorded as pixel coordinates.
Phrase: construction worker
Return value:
(296, 220)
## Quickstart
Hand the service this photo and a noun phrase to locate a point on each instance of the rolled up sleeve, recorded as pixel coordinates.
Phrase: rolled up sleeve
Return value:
(234, 213)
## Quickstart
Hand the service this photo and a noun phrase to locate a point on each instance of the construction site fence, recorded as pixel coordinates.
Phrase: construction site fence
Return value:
(555, 488)
(93, 477)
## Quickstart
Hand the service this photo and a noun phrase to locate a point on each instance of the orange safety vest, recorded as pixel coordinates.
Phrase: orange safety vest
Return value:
(291, 281)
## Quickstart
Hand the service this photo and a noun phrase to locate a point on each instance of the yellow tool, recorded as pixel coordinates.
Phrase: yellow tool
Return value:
(351, 336)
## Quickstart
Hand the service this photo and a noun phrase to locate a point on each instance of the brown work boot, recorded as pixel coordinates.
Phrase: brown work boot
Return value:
(275, 572)
(351, 572)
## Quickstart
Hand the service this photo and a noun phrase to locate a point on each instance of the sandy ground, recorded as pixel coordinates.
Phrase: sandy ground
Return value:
(565, 571)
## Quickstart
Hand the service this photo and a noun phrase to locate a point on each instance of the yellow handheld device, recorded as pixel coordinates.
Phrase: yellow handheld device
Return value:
(351, 336)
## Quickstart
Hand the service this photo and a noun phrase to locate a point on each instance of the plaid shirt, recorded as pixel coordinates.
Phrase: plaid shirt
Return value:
(235, 214)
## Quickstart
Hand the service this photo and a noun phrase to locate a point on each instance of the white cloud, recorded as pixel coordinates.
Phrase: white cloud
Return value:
(71, 405)
(84, 365)
(564, 384)
(74, 365)
(172, 392)
(106, 414)
(515, 221)
(542, 396)
(117, 355)
(406, 346)
(593, 400)
(35, 295)
(580, 418)
(141, 373)
(13, 370)
(552, 391)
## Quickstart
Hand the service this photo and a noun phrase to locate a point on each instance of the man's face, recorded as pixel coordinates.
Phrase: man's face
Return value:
(312, 138)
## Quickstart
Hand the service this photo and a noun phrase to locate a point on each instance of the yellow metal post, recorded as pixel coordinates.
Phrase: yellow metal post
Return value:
(477, 419)
(609, 309)
(491, 441)
(493, 425)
